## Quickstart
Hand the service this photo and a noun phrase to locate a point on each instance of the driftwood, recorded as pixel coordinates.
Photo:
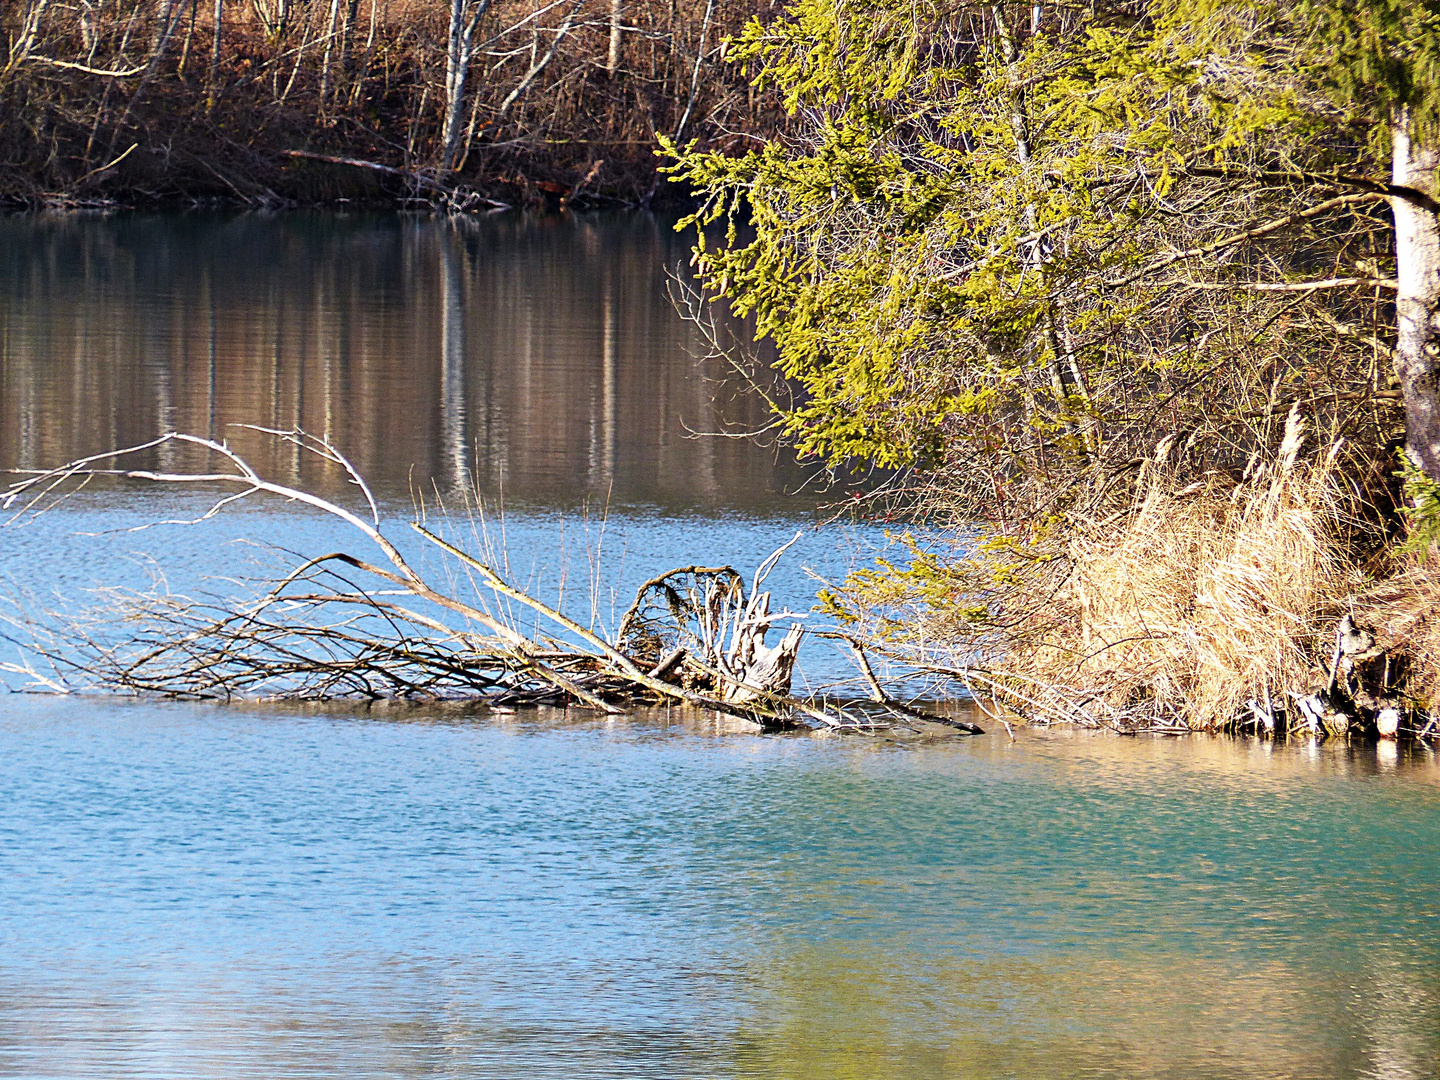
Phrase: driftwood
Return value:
(338, 625)
(1360, 698)
(1363, 697)
(705, 615)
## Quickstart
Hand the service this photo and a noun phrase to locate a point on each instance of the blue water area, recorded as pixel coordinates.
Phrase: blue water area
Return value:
(215, 891)
(445, 891)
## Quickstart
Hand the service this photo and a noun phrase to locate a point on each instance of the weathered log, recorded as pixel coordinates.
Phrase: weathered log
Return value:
(756, 669)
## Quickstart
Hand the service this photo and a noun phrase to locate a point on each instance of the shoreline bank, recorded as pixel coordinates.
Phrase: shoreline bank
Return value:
(273, 105)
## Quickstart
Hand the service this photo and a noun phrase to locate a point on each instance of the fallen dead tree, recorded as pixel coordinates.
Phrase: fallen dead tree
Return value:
(453, 197)
(340, 626)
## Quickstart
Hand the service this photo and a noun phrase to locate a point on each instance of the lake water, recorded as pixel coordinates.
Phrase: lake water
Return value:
(191, 890)
(539, 358)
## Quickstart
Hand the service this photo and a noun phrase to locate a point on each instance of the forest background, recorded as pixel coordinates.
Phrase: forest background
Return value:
(525, 101)
(1140, 299)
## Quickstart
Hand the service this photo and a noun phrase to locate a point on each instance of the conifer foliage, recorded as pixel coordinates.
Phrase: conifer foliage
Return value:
(1027, 243)
(1142, 297)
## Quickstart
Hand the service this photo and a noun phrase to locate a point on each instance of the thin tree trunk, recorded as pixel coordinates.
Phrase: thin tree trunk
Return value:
(25, 40)
(457, 68)
(1060, 378)
(215, 56)
(329, 48)
(695, 75)
(612, 62)
(109, 86)
(347, 41)
(1416, 166)
(184, 49)
(170, 15)
(299, 59)
(357, 85)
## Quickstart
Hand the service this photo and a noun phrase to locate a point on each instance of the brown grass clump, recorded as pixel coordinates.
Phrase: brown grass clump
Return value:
(1192, 602)
(1189, 607)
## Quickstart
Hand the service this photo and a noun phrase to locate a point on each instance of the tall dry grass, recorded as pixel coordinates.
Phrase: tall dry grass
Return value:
(1193, 601)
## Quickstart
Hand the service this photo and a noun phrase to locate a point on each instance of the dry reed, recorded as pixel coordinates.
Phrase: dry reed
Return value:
(1189, 603)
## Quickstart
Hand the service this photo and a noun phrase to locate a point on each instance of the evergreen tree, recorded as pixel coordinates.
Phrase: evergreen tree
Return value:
(1019, 246)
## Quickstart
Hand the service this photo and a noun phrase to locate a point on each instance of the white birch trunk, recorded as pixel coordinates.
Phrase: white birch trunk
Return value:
(612, 62)
(1416, 166)
(460, 49)
(457, 66)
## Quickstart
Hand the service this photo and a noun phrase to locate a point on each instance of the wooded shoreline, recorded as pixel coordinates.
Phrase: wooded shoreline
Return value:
(268, 103)
(1146, 292)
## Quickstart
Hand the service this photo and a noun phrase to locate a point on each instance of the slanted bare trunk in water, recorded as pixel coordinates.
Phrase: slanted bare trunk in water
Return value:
(1416, 167)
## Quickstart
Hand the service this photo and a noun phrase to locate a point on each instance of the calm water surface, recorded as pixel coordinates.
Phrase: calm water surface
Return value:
(539, 358)
(191, 891)
(211, 892)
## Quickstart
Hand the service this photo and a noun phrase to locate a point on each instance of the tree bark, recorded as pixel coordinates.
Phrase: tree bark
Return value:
(1066, 381)
(213, 90)
(329, 48)
(461, 47)
(1416, 166)
(457, 66)
(612, 61)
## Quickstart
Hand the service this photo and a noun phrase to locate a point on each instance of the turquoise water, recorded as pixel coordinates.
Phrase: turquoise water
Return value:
(203, 891)
(194, 891)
